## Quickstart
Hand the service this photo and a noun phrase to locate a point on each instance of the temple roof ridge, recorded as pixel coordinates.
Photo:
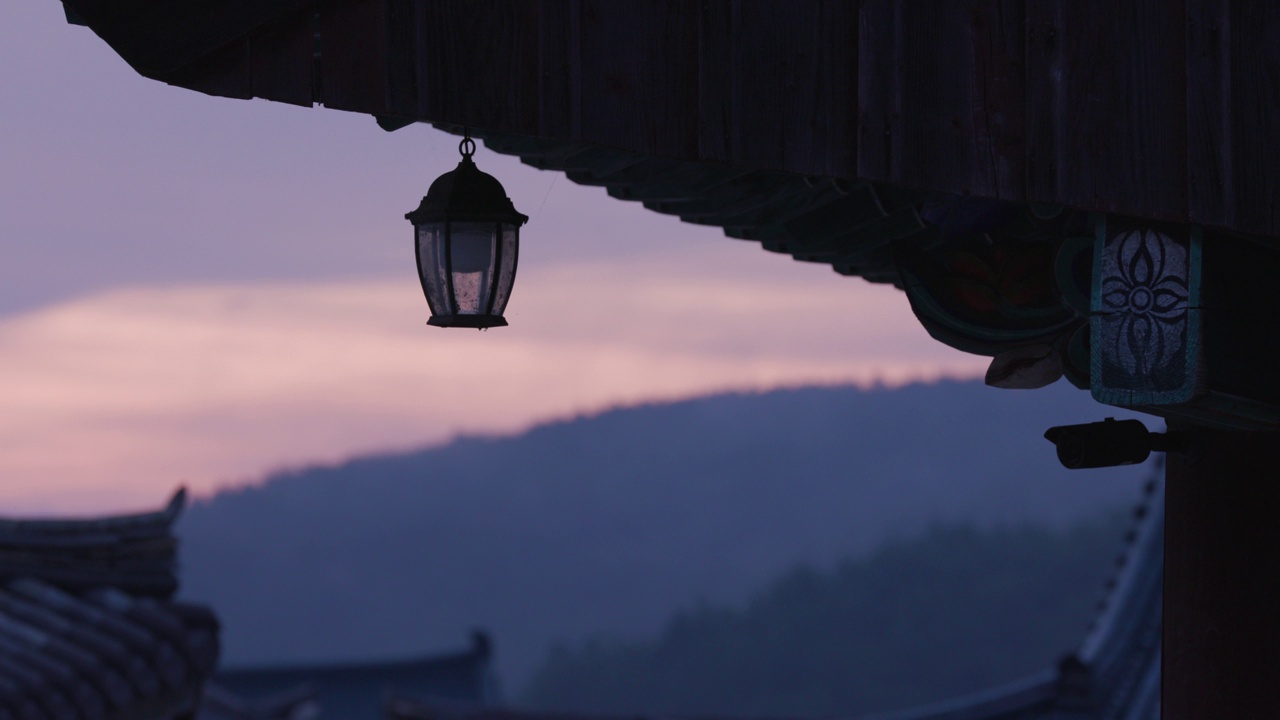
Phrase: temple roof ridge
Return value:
(135, 553)
(153, 520)
(87, 627)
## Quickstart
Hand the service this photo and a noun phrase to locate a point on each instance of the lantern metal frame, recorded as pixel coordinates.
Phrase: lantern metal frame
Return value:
(467, 195)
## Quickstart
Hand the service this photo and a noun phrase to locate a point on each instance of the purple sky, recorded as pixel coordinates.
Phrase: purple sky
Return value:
(199, 290)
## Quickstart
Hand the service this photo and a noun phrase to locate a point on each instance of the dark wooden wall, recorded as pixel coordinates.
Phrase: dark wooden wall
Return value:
(1221, 641)
(1166, 109)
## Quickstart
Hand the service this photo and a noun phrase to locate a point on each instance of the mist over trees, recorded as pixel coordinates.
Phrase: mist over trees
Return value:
(606, 525)
(954, 611)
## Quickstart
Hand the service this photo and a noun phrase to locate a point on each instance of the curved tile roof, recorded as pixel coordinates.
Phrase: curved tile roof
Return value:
(87, 629)
(354, 690)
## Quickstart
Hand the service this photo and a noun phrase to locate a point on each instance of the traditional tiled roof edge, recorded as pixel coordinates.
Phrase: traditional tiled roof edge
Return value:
(75, 644)
(295, 703)
(353, 690)
(1115, 673)
(479, 652)
(1121, 652)
(134, 553)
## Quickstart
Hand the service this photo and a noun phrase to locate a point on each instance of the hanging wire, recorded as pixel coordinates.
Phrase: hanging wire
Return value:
(554, 178)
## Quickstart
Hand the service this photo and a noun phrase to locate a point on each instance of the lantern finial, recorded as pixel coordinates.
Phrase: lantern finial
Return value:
(468, 146)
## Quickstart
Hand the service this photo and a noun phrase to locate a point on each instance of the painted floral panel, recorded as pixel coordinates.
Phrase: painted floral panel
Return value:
(1143, 325)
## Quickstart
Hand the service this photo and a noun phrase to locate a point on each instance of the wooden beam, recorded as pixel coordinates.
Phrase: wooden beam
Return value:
(1222, 584)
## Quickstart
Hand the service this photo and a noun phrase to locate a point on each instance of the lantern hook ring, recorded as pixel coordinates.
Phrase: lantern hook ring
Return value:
(468, 146)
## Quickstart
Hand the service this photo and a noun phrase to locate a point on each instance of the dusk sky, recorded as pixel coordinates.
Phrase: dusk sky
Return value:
(201, 290)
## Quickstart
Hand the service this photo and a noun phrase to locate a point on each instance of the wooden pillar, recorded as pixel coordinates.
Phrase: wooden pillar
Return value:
(1222, 578)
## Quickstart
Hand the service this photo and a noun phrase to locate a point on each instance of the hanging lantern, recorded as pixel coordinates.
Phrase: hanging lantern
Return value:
(467, 234)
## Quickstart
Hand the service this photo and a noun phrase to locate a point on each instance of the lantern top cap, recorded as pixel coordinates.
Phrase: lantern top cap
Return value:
(466, 194)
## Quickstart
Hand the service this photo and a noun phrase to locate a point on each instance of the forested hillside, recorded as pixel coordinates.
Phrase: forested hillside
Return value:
(952, 612)
(610, 523)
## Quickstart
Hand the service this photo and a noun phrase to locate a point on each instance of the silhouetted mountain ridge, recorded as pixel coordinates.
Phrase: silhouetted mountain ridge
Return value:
(609, 523)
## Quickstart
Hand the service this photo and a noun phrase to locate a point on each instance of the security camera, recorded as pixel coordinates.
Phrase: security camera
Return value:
(1105, 444)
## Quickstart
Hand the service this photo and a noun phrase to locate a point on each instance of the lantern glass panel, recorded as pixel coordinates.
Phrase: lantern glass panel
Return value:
(472, 248)
(431, 267)
(507, 267)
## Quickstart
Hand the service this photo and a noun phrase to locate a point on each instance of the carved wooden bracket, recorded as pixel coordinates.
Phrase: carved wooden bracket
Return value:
(1167, 318)
(1011, 285)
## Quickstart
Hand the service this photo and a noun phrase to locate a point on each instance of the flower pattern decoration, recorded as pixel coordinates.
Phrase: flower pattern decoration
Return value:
(1145, 284)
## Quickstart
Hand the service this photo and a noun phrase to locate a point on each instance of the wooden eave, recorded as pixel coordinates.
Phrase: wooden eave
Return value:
(898, 141)
(159, 38)
(1146, 109)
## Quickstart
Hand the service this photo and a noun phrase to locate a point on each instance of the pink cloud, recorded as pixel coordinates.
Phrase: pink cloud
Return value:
(112, 400)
